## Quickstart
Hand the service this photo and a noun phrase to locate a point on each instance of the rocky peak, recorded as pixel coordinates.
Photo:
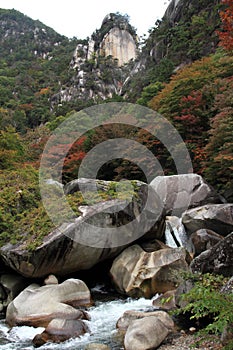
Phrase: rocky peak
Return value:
(116, 38)
(102, 64)
(119, 44)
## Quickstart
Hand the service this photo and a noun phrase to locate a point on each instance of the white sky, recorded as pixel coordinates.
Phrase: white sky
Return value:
(81, 18)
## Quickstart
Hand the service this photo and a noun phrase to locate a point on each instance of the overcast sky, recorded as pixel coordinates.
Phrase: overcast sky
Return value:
(81, 18)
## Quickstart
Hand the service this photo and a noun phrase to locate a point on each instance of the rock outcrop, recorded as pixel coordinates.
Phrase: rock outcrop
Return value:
(37, 306)
(180, 192)
(119, 44)
(218, 259)
(138, 273)
(102, 65)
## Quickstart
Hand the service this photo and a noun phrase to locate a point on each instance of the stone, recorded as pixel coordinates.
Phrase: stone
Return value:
(132, 315)
(218, 259)
(215, 217)
(184, 287)
(59, 330)
(86, 185)
(140, 274)
(96, 346)
(153, 245)
(36, 306)
(180, 192)
(12, 285)
(76, 246)
(203, 240)
(145, 334)
(227, 334)
(166, 301)
(51, 279)
(228, 287)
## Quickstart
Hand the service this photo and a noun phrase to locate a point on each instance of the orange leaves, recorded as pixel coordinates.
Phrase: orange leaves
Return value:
(226, 35)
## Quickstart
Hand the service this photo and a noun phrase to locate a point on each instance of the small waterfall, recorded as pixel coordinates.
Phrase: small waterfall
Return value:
(175, 234)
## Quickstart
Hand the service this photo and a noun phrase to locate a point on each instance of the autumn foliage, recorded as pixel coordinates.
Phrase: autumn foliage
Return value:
(226, 35)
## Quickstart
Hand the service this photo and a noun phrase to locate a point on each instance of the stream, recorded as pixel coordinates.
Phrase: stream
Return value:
(104, 316)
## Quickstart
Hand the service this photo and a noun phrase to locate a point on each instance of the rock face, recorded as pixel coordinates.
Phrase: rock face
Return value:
(77, 246)
(180, 192)
(102, 66)
(145, 334)
(119, 44)
(216, 217)
(138, 273)
(36, 306)
(218, 259)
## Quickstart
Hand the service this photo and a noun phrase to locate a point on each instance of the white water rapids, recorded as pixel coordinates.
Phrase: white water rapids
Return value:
(104, 316)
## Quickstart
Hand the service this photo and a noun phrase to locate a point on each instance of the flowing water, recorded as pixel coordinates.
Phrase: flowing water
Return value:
(104, 316)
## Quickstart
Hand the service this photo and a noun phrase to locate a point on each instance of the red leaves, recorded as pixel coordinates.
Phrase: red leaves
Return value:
(226, 35)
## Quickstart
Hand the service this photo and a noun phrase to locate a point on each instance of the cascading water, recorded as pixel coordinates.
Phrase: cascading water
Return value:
(175, 234)
(104, 316)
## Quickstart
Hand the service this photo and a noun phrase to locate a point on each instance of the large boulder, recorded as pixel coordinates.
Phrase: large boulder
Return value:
(36, 306)
(203, 240)
(180, 192)
(100, 232)
(218, 259)
(138, 273)
(145, 334)
(59, 330)
(132, 315)
(216, 217)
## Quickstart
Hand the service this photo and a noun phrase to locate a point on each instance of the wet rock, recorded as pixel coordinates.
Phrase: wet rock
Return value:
(96, 346)
(218, 259)
(146, 333)
(59, 330)
(180, 192)
(36, 306)
(138, 273)
(216, 217)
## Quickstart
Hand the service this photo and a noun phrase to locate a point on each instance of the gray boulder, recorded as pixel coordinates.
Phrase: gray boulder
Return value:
(180, 192)
(100, 232)
(59, 330)
(216, 217)
(132, 315)
(138, 273)
(145, 334)
(218, 259)
(203, 240)
(36, 306)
